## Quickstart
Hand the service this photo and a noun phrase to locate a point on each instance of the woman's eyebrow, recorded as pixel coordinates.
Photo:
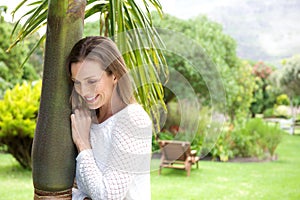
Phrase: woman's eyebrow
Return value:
(89, 77)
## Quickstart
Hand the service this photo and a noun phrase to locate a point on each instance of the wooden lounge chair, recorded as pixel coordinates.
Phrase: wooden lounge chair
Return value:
(177, 155)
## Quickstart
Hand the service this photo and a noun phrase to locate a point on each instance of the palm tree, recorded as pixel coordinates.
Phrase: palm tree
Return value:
(130, 26)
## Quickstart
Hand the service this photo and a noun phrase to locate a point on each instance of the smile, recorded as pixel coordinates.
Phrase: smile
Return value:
(91, 99)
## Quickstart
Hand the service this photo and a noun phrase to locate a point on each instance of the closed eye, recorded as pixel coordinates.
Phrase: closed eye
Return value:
(76, 82)
(92, 81)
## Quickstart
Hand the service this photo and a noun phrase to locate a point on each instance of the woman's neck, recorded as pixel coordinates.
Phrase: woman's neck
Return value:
(102, 116)
(106, 111)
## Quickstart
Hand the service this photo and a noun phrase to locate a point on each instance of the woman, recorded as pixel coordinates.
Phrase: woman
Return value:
(111, 131)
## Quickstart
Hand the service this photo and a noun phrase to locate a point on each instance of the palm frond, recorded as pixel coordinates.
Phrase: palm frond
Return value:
(18, 7)
(37, 17)
(41, 40)
(145, 51)
(130, 26)
(96, 8)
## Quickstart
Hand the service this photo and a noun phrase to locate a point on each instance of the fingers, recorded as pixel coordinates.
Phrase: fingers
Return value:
(72, 118)
(81, 120)
(85, 112)
(82, 113)
(73, 122)
(81, 123)
(77, 112)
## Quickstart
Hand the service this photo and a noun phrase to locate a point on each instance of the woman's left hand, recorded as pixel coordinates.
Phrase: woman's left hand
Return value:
(81, 123)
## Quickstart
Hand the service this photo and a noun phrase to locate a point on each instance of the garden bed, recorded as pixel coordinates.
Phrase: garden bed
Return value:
(254, 159)
(243, 159)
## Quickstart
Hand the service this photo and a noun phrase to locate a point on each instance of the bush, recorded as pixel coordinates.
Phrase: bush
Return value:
(281, 111)
(161, 136)
(256, 139)
(283, 99)
(222, 149)
(269, 112)
(18, 115)
(245, 141)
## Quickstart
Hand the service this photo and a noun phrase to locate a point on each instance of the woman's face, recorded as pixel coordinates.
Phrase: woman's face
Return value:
(92, 83)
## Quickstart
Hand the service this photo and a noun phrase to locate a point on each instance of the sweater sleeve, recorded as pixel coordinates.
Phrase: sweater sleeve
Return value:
(89, 177)
(130, 154)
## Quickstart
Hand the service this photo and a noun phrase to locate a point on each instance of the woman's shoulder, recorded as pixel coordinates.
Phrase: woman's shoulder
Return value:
(137, 112)
(136, 109)
(134, 115)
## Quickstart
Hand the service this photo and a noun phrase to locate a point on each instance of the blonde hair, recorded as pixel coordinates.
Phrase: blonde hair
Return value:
(102, 50)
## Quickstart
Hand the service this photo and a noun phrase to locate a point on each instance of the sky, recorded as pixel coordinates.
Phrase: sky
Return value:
(11, 4)
(280, 39)
(270, 24)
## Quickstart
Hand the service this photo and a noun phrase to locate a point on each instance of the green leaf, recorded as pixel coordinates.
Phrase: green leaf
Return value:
(132, 29)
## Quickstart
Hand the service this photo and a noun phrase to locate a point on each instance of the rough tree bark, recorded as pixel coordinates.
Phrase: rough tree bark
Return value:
(53, 151)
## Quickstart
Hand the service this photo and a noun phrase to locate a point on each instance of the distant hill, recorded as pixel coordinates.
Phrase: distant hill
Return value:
(265, 30)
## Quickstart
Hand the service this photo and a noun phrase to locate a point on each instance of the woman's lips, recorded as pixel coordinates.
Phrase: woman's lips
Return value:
(91, 99)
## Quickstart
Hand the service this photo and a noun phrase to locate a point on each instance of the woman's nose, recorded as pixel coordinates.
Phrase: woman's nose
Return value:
(84, 89)
(88, 90)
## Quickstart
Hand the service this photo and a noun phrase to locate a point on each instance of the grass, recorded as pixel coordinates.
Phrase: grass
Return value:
(15, 182)
(213, 180)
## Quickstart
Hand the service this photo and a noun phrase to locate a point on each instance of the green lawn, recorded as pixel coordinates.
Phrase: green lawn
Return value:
(213, 180)
(15, 182)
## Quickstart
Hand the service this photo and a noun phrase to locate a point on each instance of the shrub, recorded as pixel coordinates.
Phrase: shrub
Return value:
(18, 115)
(245, 141)
(253, 138)
(256, 139)
(283, 99)
(222, 149)
(205, 123)
(161, 136)
(281, 111)
(269, 112)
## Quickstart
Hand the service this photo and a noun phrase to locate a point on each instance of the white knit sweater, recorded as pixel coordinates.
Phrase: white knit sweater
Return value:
(118, 165)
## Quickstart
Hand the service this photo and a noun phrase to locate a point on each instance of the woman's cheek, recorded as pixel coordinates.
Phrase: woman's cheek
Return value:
(102, 98)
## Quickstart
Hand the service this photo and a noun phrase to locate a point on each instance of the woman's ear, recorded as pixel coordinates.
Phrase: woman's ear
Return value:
(115, 80)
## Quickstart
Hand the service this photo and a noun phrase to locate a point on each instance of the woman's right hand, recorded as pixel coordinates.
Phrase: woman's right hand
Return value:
(81, 123)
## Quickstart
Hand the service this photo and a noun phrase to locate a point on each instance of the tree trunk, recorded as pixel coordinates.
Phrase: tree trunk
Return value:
(53, 152)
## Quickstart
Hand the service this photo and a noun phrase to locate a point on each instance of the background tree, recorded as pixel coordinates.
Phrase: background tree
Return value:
(288, 78)
(239, 85)
(53, 150)
(18, 115)
(220, 49)
(10, 71)
(264, 94)
(18, 103)
(289, 75)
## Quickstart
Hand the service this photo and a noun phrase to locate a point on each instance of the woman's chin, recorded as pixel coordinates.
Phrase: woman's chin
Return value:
(93, 106)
